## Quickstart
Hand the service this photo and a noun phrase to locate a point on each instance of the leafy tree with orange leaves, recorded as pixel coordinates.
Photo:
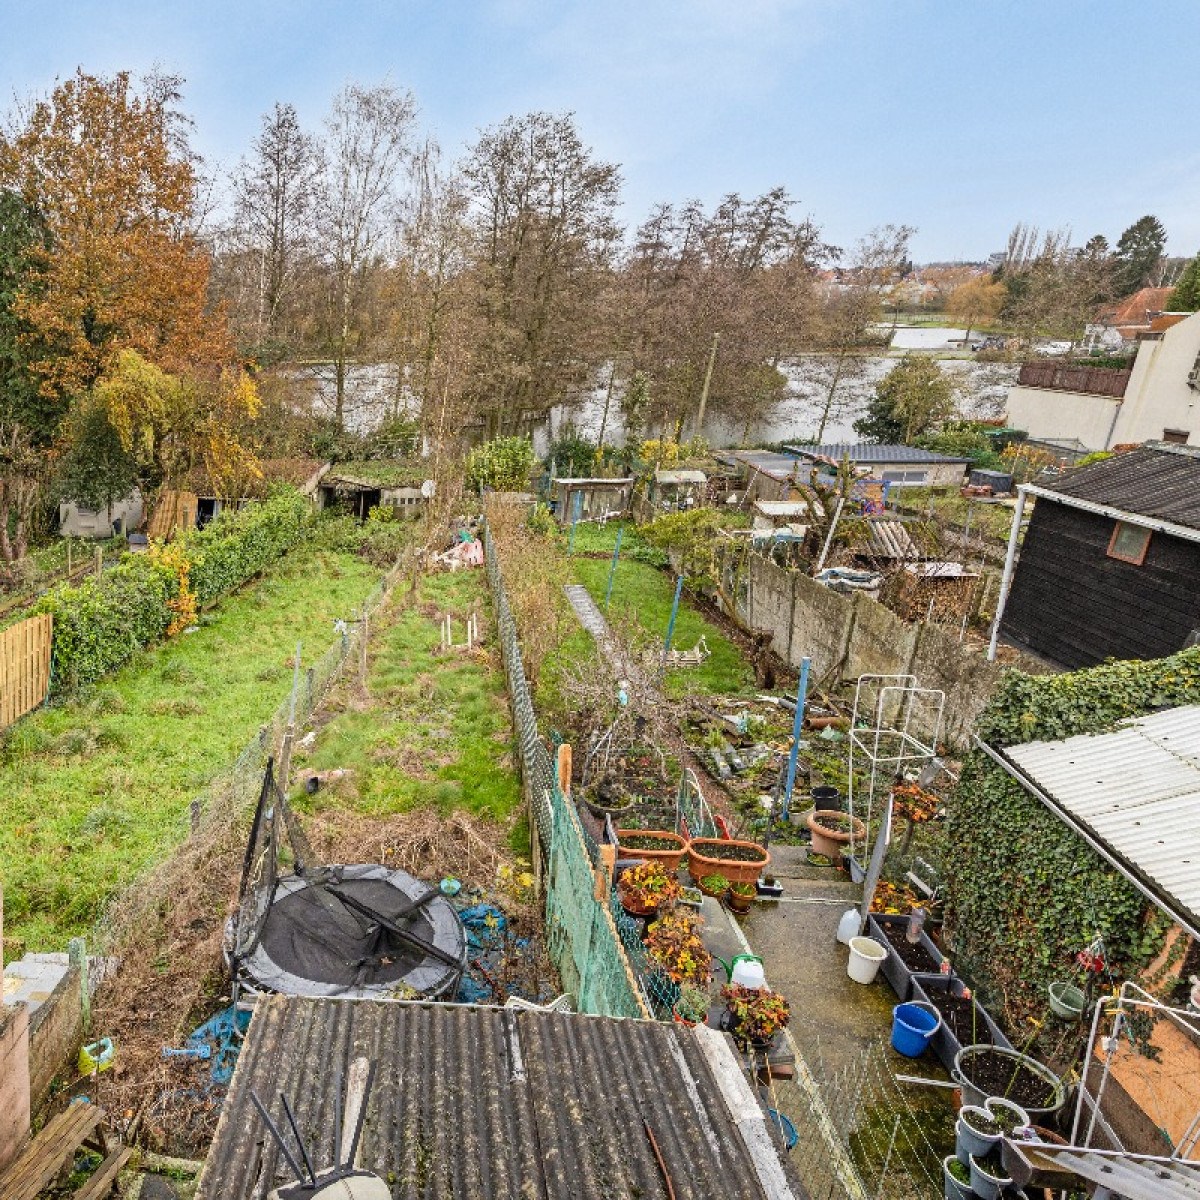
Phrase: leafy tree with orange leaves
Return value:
(106, 165)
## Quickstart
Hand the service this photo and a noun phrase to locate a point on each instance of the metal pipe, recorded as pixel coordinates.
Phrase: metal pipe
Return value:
(829, 538)
(671, 627)
(801, 696)
(1010, 559)
(612, 571)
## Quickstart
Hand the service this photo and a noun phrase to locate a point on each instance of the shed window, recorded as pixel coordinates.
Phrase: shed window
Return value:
(1176, 437)
(909, 477)
(1129, 543)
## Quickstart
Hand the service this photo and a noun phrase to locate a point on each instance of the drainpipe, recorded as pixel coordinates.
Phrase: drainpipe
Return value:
(1006, 579)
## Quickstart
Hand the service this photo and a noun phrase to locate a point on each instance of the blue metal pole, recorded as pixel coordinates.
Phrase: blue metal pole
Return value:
(801, 696)
(671, 626)
(612, 571)
(578, 507)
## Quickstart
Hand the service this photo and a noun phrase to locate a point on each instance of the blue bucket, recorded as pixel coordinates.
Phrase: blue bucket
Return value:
(913, 1027)
(784, 1126)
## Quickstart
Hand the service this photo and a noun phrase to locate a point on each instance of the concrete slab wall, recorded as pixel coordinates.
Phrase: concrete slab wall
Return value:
(14, 1081)
(853, 635)
(55, 1035)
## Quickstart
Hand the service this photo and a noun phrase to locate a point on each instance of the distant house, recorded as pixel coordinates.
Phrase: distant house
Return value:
(1110, 564)
(1102, 407)
(896, 465)
(366, 484)
(77, 520)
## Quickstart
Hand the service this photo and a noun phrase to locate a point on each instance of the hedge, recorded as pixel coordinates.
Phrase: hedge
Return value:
(100, 625)
(1024, 892)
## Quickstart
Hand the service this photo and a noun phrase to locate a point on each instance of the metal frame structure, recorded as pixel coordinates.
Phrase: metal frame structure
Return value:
(1130, 996)
(889, 740)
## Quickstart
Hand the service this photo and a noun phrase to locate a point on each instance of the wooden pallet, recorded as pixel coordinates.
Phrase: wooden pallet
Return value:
(50, 1156)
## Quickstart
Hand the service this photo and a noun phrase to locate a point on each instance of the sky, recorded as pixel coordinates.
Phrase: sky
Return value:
(959, 118)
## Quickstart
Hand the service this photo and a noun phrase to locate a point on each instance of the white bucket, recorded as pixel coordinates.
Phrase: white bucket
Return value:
(866, 957)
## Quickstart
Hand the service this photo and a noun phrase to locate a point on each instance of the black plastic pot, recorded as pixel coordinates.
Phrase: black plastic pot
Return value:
(945, 1045)
(827, 797)
(895, 970)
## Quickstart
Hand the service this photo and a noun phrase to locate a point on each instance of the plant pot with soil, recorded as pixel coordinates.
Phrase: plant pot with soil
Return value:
(909, 958)
(1007, 1115)
(739, 862)
(986, 1071)
(754, 1016)
(957, 1179)
(975, 1132)
(713, 885)
(1066, 1000)
(645, 888)
(988, 1176)
(831, 830)
(663, 845)
(741, 896)
(965, 1021)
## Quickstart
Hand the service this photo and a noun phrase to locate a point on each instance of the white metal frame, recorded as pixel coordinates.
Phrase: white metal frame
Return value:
(889, 744)
(1130, 997)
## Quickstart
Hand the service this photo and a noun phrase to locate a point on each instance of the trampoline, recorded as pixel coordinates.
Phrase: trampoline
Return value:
(357, 932)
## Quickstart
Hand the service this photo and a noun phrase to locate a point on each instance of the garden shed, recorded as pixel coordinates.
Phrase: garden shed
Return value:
(1110, 563)
(590, 499)
(677, 489)
(471, 1101)
(402, 483)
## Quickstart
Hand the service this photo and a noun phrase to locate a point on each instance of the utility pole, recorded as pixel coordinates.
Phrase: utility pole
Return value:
(712, 359)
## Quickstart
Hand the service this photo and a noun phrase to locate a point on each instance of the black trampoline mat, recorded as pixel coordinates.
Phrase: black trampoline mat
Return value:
(311, 934)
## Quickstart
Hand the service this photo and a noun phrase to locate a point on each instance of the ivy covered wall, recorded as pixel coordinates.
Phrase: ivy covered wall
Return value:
(1024, 893)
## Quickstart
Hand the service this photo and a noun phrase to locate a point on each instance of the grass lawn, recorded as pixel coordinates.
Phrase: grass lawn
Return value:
(99, 788)
(645, 593)
(434, 731)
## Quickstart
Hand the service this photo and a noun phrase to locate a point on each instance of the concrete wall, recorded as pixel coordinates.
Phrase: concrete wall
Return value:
(1158, 397)
(55, 1035)
(14, 1081)
(1047, 414)
(851, 635)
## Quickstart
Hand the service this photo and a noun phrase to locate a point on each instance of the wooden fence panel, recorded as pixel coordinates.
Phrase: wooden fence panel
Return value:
(24, 666)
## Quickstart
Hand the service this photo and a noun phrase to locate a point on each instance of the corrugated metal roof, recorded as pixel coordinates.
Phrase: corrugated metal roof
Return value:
(1137, 790)
(681, 476)
(492, 1104)
(1155, 480)
(871, 452)
(777, 466)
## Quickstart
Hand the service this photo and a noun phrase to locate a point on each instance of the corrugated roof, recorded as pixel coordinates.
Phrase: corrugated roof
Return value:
(872, 452)
(777, 466)
(1137, 790)
(1155, 480)
(491, 1104)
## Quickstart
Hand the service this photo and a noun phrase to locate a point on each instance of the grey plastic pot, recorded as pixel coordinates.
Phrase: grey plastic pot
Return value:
(968, 1141)
(985, 1185)
(961, 1074)
(1066, 1001)
(945, 1045)
(951, 1188)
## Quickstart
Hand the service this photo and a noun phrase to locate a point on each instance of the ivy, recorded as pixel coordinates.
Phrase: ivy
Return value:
(1024, 893)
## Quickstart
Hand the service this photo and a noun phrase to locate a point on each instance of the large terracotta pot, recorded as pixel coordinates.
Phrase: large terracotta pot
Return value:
(670, 858)
(829, 842)
(705, 858)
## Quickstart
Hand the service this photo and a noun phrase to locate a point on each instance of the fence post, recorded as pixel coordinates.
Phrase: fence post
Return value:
(612, 571)
(670, 629)
(77, 957)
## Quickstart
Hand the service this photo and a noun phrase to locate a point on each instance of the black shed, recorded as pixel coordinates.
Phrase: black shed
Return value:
(1110, 564)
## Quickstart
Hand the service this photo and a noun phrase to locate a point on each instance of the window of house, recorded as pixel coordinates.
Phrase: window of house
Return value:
(909, 477)
(1177, 437)
(1129, 543)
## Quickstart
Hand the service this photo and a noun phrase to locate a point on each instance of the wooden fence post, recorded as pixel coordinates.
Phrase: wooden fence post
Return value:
(77, 956)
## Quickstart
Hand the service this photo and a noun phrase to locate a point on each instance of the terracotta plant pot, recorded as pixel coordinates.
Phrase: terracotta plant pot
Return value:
(669, 857)
(716, 893)
(705, 858)
(738, 902)
(632, 907)
(830, 841)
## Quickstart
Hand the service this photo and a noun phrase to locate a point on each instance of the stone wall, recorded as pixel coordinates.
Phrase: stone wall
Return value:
(846, 636)
(14, 1081)
(55, 1035)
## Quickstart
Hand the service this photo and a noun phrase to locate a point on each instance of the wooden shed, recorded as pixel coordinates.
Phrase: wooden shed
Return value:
(590, 499)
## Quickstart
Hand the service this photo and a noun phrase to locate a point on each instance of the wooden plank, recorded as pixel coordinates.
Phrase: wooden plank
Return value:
(45, 1156)
(105, 1175)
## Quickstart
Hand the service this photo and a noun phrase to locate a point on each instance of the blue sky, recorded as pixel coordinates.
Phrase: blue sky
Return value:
(955, 116)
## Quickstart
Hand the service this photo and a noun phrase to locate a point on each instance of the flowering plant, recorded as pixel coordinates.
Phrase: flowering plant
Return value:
(914, 802)
(648, 885)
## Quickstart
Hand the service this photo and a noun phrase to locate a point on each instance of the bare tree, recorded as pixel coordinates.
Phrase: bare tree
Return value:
(273, 192)
(363, 156)
(543, 236)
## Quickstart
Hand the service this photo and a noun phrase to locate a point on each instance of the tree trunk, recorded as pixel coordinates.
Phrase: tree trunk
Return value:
(837, 375)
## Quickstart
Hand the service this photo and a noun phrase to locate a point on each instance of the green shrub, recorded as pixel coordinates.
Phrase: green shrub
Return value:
(504, 464)
(382, 542)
